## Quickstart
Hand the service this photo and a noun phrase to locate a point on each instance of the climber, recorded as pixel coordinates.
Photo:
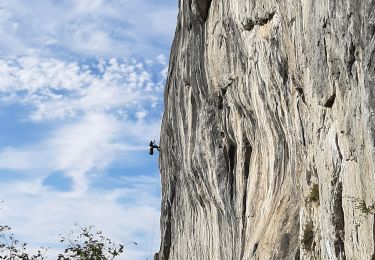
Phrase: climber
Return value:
(152, 146)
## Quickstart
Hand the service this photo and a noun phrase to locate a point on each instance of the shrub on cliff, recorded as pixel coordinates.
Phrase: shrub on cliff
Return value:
(308, 236)
(314, 194)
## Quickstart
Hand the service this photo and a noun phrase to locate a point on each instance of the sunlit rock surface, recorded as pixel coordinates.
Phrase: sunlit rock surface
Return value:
(266, 100)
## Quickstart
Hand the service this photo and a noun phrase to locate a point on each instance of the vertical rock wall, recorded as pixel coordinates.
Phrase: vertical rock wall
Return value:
(268, 132)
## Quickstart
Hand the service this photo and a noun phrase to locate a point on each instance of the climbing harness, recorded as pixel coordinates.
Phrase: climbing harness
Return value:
(153, 146)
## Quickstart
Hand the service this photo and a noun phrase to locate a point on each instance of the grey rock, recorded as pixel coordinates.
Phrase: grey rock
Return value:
(265, 99)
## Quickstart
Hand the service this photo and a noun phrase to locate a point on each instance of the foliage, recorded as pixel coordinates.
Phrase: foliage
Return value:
(12, 249)
(89, 244)
(308, 236)
(314, 193)
(361, 205)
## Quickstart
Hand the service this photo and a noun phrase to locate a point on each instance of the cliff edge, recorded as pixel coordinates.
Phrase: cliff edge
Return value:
(268, 134)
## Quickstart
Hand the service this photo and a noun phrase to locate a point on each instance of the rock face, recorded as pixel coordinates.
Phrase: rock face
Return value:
(268, 132)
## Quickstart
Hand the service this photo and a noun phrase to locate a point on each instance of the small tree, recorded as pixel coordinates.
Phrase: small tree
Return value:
(12, 249)
(89, 244)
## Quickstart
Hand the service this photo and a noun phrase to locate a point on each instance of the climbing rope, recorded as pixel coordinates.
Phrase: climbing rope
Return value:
(153, 229)
(152, 237)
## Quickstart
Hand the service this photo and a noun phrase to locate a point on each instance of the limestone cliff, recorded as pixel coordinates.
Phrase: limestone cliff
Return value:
(268, 132)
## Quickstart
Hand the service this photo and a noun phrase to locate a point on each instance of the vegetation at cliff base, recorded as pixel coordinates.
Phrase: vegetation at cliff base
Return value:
(86, 244)
(13, 249)
(89, 244)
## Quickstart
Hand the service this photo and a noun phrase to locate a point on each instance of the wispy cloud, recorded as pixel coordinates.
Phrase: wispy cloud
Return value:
(59, 89)
(86, 28)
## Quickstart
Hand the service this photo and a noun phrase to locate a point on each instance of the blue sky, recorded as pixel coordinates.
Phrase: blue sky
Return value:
(81, 88)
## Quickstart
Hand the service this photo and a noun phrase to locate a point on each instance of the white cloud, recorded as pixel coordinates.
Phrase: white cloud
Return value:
(141, 114)
(22, 160)
(161, 59)
(59, 89)
(84, 146)
(87, 28)
(87, 6)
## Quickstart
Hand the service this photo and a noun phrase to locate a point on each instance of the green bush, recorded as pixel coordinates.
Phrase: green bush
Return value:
(87, 244)
(308, 236)
(314, 194)
(361, 205)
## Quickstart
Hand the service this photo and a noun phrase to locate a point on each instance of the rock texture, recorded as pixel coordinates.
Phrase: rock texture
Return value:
(268, 133)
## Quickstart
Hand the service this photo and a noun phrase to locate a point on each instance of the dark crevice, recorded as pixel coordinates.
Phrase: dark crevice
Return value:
(325, 22)
(371, 29)
(291, 22)
(194, 109)
(338, 216)
(339, 223)
(219, 101)
(248, 151)
(338, 149)
(301, 124)
(325, 49)
(283, 69)
(232, 150)
(246, 171)
(248, 24)
(297, 256)
(223, 90)
(308, 177)
(255, 248)
(350, 15)
(204, 7)
(225, 150)
(356, 234)
(264, 20)
(231, 157)
(301, 94)
(331, 100)
(351, 58)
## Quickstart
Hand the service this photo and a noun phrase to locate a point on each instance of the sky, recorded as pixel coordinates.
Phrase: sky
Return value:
(81, 96)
